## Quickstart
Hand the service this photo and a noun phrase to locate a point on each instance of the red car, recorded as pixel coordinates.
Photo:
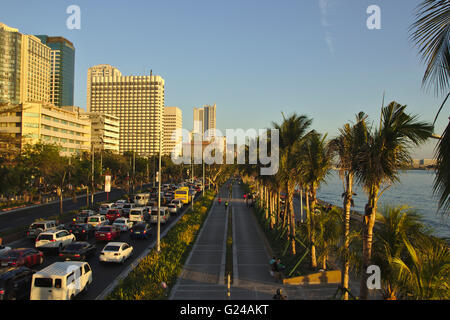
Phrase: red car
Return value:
(21, 257)
(113, 214)
(107, 233)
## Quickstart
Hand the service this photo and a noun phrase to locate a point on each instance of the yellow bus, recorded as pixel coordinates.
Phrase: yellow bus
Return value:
(183, 194)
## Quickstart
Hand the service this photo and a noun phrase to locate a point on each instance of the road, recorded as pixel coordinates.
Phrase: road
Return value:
(103, 274)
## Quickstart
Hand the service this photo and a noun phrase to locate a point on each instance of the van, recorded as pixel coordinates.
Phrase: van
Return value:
(105, 207)
(61, 281)
(138, 214)
(96, 221)
(141, 199)
(164, 213)
(40, 226)
(15, 283)
(126, 209)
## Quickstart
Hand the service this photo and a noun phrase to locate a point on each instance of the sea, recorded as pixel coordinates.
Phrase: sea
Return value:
(415, 190)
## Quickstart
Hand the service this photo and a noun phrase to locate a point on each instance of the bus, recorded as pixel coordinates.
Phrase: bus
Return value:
(183, 194)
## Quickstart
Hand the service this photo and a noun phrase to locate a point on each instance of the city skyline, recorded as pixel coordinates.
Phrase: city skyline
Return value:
(249, 79)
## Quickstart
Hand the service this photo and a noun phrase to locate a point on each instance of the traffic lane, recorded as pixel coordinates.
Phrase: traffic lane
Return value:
(26, 217)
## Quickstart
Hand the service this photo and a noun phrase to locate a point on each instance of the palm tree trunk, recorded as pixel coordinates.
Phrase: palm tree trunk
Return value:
(367, 230)
(290, 204)
(346, 239)
(313, 238)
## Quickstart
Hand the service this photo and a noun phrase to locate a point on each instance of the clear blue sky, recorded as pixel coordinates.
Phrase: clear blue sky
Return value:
(254, 58)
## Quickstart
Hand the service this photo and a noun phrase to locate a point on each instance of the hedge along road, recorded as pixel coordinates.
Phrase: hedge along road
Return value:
(26, 216)
(105, 274)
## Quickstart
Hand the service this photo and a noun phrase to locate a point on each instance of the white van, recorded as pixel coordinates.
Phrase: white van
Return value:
(61, 281)
(164, 213)
(141, 199)
(138, 214)
(97, 221)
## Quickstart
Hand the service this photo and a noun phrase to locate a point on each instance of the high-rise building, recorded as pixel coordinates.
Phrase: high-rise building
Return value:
(138, 102)
(204, 120)
(173, 124)
(62, 73)
(10, 64)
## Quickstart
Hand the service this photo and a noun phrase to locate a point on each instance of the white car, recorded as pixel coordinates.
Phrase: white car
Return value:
(177, 202)
(123, 224)
(127, 207)
(119, 203)
(172, 208)
(4, 249)
(105, 207)
(54, 239)
(97, 221)
(116, 252)
(164, 213)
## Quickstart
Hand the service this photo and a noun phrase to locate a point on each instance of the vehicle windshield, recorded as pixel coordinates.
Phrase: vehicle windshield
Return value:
(74, 246)
(135, 213)
(105, 229)
(111, 248)
(37, 226)
(45, 237)
(171, 206)
(127, 206)
(43, 282)
(119, 221)
(12, 254)
(93, 219)
(139, 227)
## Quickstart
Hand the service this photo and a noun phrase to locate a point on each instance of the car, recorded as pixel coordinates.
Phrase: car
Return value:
(4, 249)
(120, 203)
(126, 209)
(82, 231)
(15, 283)
(138, 214)
(105, 207)
(40, 226)
(27, 257)
(78, 250)
(54, 239)
(140, 231)
(61, 281)
(172, 208)
(123, 224)
(107, 233)
(116, 252)
(164, 212)
(178, 203)
(97, 221)
(113, 214)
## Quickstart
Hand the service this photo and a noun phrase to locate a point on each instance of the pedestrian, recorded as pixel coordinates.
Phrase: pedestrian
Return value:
(271, 262)
(279, 295)
(277, 267)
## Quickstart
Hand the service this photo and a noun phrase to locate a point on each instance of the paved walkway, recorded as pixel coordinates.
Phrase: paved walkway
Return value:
(203, 275)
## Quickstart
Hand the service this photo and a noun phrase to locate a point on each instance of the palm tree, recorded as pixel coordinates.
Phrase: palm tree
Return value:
(427, 275)
(431, 34)
(397, 224)
(314, 158)
(387, 150)
(347, 146)
(291, 134)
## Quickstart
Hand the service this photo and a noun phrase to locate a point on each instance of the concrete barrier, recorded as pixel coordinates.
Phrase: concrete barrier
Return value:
(324, 277)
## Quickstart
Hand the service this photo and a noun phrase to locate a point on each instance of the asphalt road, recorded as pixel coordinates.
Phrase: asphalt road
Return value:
(103, 274)
(26, 216)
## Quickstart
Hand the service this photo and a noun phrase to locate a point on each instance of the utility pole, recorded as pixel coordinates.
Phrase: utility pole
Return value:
(92, 176)
(203, 182)
(158, 231)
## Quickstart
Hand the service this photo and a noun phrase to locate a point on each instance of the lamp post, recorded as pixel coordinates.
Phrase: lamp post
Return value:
(158, 232)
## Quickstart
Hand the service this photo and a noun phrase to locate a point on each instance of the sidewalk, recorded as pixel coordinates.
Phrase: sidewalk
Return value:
(202, 277)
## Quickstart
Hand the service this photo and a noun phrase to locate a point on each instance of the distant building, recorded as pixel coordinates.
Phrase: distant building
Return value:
(62, 74)
(105, 132)
(204, 120)
(173, 124)
(66, 127)
(10, 64)
(423, 163)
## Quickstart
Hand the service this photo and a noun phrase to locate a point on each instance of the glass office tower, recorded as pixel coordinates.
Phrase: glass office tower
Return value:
(62, 70)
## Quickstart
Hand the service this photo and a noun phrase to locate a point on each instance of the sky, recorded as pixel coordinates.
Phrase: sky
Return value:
(255, 59)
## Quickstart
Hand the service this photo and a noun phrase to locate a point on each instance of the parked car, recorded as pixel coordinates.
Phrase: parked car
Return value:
(61, 281)
(123, 224)
(116, 252)
(164, 212)
(105, 207)
(140, 230)
(126, 209)
(27, 257)
(4, 249)
(172, 208)
(78, 250)
(15, 283)
(107, 233)
(97, 221)
(113, 214)
(54, 239)
(40, 226)
(82, 231)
